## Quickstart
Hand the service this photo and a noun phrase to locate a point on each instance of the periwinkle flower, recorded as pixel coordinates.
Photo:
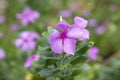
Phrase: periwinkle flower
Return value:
(28, 16)
(113, 7)
(2, 54)
(26, 41)
(74, 6)
(2, 19)
(86, 13)
(66, 13)
(93, 51)
(92, 22)
(65, 37)
(14, 26)
(30, 60)
(100, 30)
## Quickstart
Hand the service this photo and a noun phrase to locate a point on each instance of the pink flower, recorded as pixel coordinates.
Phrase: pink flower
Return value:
(65, 37)
(93, 53)
(66, 13)
(92, 22)
(86, 13)
(28, 16)
(2, 54)
(100, 30)
(2, 19)
(30, 60)
(15, 26)
(113, 7)
(26, 41)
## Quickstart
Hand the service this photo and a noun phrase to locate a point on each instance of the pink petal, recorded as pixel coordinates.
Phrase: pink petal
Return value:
(85, 35)
(36, 14)
(18, 16)
(18, 42)
(35, 57)
(69, 46)
(57, 46)
(2, 54)
(25, 22)
(31, 44)
(54, 35)
(93, 51)
(62, 26)
(24, 34)
(80, 22)
(28, 63)
(75, 32)
(25, 47)
(34, 35)
(30, 60)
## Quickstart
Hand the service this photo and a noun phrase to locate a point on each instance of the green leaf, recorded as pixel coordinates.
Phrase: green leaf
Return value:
(50, 29)
(80, 59)
(48, 71)
(50, 78)
(84, 48)
(64, 62)
(65, 72)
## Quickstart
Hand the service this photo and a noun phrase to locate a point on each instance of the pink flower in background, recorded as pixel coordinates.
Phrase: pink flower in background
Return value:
(66, 13)
(99, 30)
(30, 60)
(26, 41)
(1, 35)
(92, 22)
(28, 16)
(2, 54)
(86, 13)
(93, 51)
(30, 35)
(15, 26)
(74, 6)
(65, 37)
(113, 7)
(2, 19)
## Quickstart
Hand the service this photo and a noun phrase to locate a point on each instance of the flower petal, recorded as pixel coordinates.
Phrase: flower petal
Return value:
(85, 35)
(2, 54)
(69, 46)
(18, 42)
(93, 51)
(57, 46)
(54, 35)
(35, 57)
(80, 22)
(25, 47)
(24, 22)
(62, 26)
(28, 63)
(31, 44)
(30, 60)
(75, 32)
(24, 34)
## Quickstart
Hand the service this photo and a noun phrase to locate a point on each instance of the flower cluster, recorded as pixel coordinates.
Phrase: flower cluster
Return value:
(26, 41)
(28, 16)
(65, 36)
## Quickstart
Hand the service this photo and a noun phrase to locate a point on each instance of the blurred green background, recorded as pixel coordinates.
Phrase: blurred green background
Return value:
(103, 23)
